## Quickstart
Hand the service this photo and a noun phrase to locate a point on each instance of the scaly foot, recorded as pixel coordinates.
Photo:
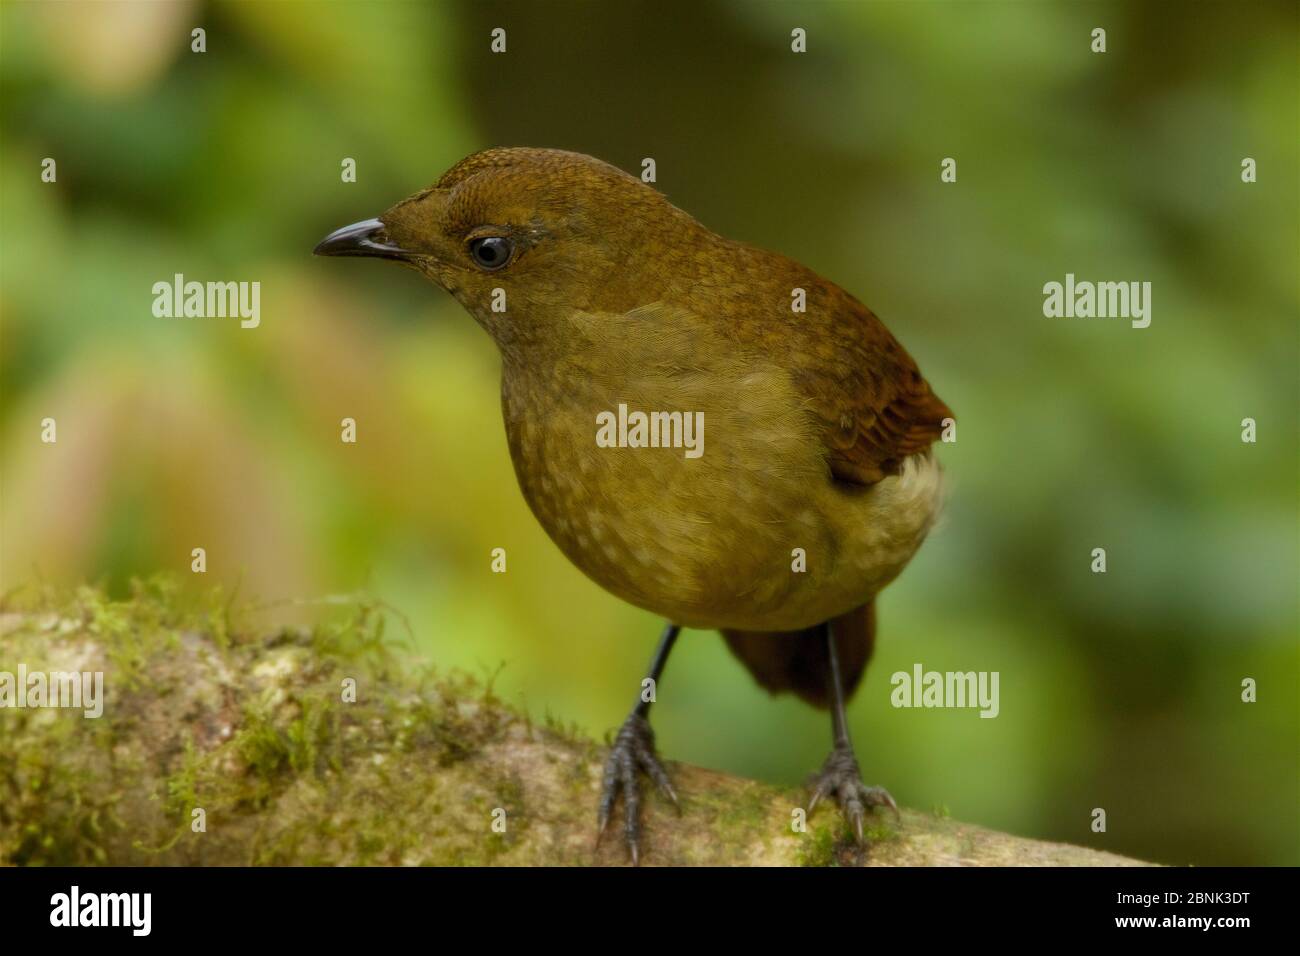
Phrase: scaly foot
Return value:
(633, 752)
(841, 778)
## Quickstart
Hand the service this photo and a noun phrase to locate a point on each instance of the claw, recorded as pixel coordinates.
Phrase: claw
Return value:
(880, 797)
(818, 793)
(656, 772)
(602, 821)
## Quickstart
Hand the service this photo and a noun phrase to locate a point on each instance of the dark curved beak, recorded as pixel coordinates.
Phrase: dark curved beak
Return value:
(361, 239)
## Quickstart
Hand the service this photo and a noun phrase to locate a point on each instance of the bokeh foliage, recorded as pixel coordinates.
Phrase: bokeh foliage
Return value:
(1118, 691)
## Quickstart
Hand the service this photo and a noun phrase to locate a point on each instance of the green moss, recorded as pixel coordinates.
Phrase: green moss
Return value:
(749, 812)
(879, 831)
(247, 721)
(833, 843)
(818, 847)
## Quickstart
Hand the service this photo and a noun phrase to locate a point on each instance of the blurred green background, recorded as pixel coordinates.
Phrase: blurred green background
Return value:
(1119, 691)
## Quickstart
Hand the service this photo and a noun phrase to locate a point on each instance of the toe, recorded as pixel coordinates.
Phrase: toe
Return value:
(609, 794)
(823, 786)
(655, 770)
(631, 809)
(879, 797)
(853, 812)
(609, 785)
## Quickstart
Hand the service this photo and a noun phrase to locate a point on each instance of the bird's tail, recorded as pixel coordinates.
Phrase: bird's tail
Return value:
(796, 660)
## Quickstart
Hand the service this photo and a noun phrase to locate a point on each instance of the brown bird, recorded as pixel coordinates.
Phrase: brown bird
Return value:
(692, 440)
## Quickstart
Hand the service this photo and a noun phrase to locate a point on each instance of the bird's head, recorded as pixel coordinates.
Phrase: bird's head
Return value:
(524, 238)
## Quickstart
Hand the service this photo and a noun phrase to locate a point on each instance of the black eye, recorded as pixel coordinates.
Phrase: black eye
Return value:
(491, 252)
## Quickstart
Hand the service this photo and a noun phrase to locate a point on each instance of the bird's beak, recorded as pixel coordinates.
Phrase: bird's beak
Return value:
(361, 239)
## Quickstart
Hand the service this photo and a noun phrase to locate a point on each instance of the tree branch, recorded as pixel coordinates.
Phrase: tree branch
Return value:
(254, 738)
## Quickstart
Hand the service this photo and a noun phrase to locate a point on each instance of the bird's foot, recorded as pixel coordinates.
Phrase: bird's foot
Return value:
(841, 778)
(633, 753)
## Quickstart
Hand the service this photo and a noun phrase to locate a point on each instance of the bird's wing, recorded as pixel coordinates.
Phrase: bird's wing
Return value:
(870, 398)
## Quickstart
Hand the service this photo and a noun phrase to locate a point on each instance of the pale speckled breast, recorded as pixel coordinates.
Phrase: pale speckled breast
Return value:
(708, 542)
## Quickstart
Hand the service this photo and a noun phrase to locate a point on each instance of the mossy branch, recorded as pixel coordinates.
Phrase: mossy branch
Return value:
(256, 733)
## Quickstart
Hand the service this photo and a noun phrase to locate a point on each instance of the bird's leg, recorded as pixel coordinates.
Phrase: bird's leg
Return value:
(840, 776)
(634, 753)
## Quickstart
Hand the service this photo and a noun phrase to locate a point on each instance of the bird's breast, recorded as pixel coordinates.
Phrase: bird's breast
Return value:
(699, 493)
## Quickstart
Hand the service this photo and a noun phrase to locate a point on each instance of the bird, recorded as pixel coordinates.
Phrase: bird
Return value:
(617, 314)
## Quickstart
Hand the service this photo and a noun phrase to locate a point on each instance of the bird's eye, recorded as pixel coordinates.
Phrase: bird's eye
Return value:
(490, 252)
